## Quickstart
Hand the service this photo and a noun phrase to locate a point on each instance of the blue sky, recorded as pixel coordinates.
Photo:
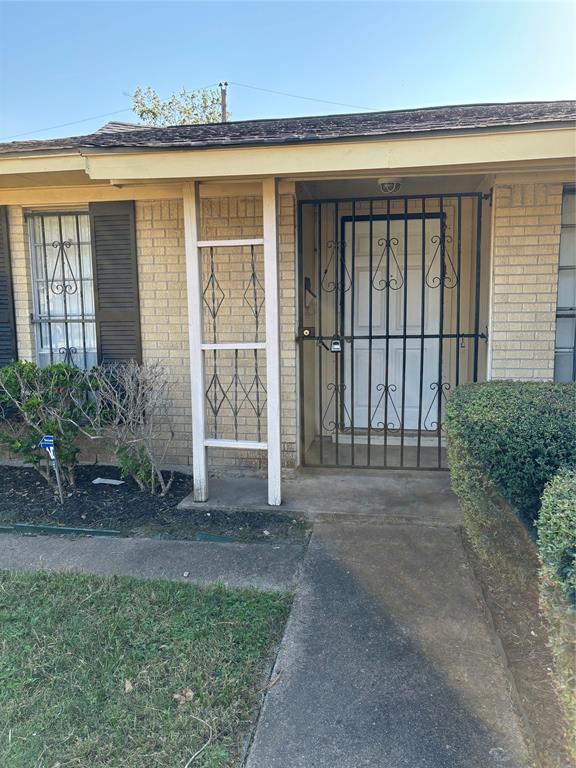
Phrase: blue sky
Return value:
(65, 62)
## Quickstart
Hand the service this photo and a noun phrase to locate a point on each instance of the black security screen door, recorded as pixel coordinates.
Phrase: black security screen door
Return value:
(390, 321)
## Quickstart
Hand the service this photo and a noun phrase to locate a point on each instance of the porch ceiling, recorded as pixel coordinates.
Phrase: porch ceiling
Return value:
(368, 187)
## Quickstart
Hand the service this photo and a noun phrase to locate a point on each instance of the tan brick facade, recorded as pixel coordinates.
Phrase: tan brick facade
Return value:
(164, 316)
(526, 246)
(21, 281)
(163, 308)
(288, 327)
(163, 305)
(525, 249)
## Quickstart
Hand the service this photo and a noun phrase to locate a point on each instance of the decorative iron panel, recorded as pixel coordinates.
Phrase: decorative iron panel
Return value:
(391, 320)
(235, 379)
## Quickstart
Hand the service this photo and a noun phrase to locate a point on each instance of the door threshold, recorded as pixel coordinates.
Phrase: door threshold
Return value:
(426, 441)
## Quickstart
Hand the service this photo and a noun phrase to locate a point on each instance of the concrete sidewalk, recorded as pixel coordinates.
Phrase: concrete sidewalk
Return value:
(264, 566)
(389, 660)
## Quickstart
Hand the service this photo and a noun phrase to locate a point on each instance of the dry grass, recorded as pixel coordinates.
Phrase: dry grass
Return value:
(89, 669)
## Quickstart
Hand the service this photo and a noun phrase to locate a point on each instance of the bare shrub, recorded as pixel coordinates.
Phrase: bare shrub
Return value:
(128, 403)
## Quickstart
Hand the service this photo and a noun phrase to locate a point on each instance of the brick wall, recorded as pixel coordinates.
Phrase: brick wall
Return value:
(164, 314)
(163, 309)
(526, 245)
(288, 327)
(524, 282)
(21, 281)
(164, 317)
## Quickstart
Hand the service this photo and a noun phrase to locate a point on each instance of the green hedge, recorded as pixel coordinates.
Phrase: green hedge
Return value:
(518, 433)
(557, 549)
(557, 530)
(512, 450)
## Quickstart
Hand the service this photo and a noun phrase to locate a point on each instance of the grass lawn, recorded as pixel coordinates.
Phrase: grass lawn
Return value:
(89, 667)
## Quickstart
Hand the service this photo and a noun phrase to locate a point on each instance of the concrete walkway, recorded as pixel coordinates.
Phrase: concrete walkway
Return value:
(389, 660)
(264, 566)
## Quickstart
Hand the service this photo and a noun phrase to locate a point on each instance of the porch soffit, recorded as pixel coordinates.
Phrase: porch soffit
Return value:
(54, 193)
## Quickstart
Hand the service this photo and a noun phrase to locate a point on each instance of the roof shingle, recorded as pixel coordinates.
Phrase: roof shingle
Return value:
(295, 130)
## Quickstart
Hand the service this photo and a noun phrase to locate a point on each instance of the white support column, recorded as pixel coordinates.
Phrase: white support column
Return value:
(195, 333)
(271, 293)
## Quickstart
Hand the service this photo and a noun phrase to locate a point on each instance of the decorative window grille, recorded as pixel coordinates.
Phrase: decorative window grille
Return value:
(63, 288)
(565, 359)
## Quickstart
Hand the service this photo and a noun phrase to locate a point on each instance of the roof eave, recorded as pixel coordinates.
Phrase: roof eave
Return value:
(90, 149)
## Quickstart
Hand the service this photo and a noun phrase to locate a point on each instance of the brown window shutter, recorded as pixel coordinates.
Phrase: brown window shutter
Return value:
(8, 348)
(113, 232)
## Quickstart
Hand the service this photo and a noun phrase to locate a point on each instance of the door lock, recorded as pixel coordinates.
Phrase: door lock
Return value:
(336, 344)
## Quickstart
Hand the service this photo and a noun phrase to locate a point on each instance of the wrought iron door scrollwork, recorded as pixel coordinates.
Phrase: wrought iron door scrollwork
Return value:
(386, 391)
(336, 259)
(335, 400)
(448, 277)
(440, 389)
(388, 252)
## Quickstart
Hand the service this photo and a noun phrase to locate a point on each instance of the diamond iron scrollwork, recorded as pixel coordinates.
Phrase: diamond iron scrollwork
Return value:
(213, 295)
(254, 293)
(237, 395)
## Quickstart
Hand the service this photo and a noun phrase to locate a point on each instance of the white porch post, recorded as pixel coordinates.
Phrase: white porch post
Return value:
(194, 289)
(271, 293)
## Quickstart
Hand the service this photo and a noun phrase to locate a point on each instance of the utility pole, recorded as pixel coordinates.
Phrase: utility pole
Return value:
(223, 90)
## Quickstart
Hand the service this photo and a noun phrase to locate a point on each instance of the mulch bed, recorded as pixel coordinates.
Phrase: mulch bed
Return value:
(25, 497)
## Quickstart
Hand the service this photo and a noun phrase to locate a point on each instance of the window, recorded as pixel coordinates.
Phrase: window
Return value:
(63, 288)
(565, 360)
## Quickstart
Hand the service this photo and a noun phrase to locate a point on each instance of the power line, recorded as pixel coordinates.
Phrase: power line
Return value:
(85, 119)
(65, 125)
(297, 96)
(231, 82)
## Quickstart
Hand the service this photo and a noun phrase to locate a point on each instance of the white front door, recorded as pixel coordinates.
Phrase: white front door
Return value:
(377, 388)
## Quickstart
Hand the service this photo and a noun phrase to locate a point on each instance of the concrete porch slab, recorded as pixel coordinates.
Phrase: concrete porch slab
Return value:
(402, 496)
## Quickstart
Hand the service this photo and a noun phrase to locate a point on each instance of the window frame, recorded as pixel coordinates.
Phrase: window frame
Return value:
(69, 353)
(561, 311)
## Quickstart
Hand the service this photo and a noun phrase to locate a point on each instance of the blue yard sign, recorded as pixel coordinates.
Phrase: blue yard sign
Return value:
(46, 442)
